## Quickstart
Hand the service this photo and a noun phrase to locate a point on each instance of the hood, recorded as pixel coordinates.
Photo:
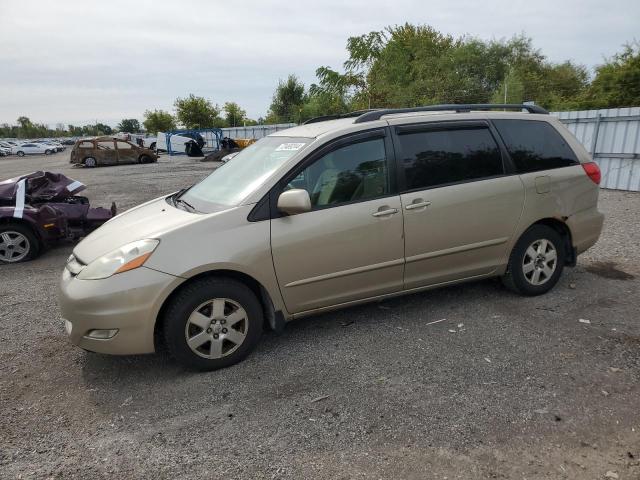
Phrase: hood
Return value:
(41, 186)
(149, 220)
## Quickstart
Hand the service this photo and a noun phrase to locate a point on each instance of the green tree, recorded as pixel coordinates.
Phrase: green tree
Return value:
(197, 112)
(234, 115)
(102, 129)
(510, 90)
(129, 125)
(26, 129)
(287, 102)
(411, 65)
(158, 121)
(617, 81)
(74, 131)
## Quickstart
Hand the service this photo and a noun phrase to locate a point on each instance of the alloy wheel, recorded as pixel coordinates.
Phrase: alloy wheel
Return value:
(216, 328)
(14, 246)
(539, 262)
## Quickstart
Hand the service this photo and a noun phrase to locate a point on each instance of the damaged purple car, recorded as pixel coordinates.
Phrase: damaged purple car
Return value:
(41, 208)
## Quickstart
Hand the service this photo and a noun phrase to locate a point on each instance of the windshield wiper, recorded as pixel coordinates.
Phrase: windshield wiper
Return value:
(179, 193)
(185, 203)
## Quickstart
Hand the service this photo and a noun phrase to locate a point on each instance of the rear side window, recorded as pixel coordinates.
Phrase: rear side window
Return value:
(106, 145)
(440, 157)
(535, 145)
(86, 145)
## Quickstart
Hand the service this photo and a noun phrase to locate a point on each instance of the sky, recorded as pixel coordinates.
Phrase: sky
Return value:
(82, 61)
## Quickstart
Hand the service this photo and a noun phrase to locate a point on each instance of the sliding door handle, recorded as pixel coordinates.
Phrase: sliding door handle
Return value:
(419, 204)
(384, 213)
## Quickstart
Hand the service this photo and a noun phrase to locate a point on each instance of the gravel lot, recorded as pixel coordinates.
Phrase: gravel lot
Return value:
(505, 387)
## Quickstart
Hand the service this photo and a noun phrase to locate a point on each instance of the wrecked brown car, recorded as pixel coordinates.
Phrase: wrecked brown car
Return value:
(99, 151)
(40, 209)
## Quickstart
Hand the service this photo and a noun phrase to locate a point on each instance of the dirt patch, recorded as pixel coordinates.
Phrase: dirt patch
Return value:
(608, 270)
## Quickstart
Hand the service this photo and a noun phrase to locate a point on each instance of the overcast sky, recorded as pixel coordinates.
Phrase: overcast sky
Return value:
(81, 61)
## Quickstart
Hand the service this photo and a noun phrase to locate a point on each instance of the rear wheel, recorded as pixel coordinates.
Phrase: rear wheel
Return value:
(536, 261)
(17, 244)
(90, 162)
(212, 323)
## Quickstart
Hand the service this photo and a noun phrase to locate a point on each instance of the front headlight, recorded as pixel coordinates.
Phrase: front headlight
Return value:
(127, 257)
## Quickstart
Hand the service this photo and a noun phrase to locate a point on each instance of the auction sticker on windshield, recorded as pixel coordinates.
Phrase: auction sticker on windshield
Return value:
(290, 147)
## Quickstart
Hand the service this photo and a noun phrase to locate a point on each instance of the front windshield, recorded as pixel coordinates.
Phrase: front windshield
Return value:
(232, 182)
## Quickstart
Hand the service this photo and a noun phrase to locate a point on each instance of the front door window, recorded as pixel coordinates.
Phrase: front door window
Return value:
(355, 172)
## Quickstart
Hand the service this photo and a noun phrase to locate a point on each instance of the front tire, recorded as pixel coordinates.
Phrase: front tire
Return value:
(20, 154)
(536, 262)
(212, 323)
(90, 162)
(18, 243)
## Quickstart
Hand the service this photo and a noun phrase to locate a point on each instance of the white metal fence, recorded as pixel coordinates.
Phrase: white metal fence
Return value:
(256, 131)
(612, 136)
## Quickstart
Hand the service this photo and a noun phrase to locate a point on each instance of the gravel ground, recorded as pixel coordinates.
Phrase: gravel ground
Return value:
(504, 387)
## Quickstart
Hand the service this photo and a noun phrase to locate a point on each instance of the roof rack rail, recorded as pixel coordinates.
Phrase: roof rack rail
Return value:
(376, 114)
(337, 116)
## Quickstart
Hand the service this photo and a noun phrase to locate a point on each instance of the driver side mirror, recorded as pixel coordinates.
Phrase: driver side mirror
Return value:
(294, 201)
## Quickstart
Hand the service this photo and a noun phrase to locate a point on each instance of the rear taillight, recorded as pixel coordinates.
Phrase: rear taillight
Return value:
(593, 171)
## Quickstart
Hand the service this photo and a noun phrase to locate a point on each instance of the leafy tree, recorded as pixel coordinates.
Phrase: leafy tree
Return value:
(158, 121)
(102, 129)
(24, 123)
(197, 112)
(129, 125)
(74, 131)
(287, 102)
(511, 89)
(234, 115)
(412, 65)
(617, 82)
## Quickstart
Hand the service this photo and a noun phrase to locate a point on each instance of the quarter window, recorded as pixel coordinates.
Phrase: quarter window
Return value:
(535, 145)
(440, 157)
(351, 173)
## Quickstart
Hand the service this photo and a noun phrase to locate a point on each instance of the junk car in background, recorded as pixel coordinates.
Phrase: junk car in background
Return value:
(94, 152)
(40, 209)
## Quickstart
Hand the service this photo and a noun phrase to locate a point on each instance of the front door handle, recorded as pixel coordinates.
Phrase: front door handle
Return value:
(385, 212)
(417, 204)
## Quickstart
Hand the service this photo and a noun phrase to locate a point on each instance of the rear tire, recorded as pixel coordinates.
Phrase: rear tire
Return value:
(18, 243)
(536, 261)
(212, 323)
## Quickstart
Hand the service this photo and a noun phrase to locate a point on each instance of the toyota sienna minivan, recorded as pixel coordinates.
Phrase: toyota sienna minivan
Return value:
(338, 211)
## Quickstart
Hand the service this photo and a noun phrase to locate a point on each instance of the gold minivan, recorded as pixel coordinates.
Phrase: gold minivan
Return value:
(338, 211)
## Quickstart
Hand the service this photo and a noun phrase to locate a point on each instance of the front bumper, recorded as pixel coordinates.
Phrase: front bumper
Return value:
(129, 302)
